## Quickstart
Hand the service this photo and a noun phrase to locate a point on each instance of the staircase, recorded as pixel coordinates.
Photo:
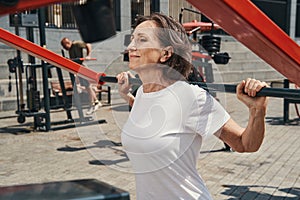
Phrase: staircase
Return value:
(243, 64)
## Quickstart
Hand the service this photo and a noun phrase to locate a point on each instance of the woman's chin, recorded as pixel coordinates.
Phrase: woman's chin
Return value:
(135, 67)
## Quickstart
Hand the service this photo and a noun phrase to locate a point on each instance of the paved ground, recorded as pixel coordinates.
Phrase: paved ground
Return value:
(94, 152)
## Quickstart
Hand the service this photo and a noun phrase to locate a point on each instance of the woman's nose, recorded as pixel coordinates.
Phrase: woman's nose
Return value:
(131, 46)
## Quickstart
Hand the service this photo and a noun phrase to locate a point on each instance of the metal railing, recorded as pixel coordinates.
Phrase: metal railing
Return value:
(60, 16)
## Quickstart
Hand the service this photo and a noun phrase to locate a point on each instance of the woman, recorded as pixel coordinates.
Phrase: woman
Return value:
(170, 118)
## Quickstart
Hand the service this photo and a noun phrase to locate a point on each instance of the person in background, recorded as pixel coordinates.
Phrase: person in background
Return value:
(76, 51)
(170, 117)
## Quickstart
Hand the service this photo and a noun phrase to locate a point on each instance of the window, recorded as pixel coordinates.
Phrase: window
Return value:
(298, 19)
(60, 16)
(276, 10)
(137, 8)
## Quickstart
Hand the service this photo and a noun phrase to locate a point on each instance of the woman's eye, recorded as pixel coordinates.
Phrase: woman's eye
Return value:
(142, 39)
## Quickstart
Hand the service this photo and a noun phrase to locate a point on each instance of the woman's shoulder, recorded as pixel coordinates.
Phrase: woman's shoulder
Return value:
(194, 88)
(190, 93)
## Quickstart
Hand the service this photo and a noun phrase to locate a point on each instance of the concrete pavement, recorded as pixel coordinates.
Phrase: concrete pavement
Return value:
(94, 151)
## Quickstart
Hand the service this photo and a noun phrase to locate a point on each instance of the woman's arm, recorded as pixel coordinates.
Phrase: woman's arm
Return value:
(247, 139)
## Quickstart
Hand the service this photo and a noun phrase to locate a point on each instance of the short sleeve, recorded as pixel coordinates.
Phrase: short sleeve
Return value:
(80, 44)
(207, 115)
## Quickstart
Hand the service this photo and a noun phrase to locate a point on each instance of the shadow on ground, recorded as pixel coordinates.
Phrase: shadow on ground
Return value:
(280, 121)
(100, 144)
(235, 192)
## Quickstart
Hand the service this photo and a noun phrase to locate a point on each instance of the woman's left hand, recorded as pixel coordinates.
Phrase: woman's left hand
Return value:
(246, 92)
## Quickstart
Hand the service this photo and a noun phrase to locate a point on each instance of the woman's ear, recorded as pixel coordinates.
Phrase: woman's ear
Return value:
(166, 53)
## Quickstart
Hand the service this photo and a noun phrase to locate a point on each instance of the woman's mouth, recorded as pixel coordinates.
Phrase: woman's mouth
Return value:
(134, 56)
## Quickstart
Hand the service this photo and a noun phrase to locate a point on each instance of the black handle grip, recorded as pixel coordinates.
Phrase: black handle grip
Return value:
(271, 92)
(109, 79)
(113, 79)
(230, 88)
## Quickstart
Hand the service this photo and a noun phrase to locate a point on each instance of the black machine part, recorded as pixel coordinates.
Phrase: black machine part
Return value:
(95, 20)
(9, 2)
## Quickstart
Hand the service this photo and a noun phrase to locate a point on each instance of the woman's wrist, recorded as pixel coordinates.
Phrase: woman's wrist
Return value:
(258, 112)
(126, 96)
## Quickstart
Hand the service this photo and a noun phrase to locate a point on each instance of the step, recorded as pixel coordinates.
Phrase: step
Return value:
(9, 53)
(8, 103)
(4, 86)
(4, 83)
(237, 76)
(4, 71)
(244, 65)
(232, 46)
(6, 53)
(243, 55)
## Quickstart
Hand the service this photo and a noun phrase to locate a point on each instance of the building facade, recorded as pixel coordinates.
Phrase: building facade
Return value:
(285, 13)
(61, 23)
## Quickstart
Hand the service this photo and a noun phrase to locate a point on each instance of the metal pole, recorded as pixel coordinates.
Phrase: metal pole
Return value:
(286, 110)
(41, 13)
(21, 104)
(64, 93)
(30, 37)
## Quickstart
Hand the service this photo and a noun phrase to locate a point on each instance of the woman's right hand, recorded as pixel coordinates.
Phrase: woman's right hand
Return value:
(123, 82)
(124, 85)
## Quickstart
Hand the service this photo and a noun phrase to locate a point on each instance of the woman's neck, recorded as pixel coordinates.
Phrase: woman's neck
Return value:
(154, 81)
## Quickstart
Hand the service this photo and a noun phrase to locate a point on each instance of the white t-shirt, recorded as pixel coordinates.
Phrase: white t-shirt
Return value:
(163, 137)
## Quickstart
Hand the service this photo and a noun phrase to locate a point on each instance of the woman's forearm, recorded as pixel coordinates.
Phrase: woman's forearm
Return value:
(128, 98)
(253, 135)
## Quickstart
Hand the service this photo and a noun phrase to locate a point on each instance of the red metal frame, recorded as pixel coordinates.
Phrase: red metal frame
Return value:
(204, 26)
(240, 18)
(48, 56)
(28, 5)
(244, 21)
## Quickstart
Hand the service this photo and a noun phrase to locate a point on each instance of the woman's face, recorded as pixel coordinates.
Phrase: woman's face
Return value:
(144, 48)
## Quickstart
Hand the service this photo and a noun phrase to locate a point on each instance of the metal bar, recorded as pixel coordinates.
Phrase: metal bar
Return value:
(286, 105)
(18, 93)
(230, 88)
(42, 31)
(20, 69)
(191, 10)
(113, 79)
(64, 93)
(271, 92)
